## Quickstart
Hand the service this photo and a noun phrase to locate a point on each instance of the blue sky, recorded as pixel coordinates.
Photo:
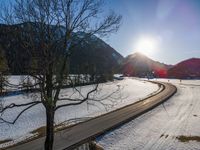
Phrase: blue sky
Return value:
(175, 24)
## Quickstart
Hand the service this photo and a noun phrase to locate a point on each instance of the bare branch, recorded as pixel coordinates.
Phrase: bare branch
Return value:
(80, 102)
(69, 99)
(13, 105)
(13, 122)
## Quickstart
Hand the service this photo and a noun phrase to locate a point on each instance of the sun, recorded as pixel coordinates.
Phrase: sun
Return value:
(146, 45)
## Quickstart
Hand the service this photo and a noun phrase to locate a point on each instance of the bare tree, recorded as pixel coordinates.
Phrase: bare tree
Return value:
(46, 28)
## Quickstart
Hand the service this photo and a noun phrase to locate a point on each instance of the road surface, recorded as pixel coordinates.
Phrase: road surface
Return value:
(82, 132)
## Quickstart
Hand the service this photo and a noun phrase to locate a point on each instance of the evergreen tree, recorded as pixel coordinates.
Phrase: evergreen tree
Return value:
(3, 71)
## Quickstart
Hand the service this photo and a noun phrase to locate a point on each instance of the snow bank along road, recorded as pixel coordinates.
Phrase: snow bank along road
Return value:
(175, 125)
(96, 126)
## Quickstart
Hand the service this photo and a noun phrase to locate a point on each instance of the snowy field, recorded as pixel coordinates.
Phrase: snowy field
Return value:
(172, 126)
(113, 95)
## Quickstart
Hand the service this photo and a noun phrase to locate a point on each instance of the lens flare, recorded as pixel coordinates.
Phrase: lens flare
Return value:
(146, 45)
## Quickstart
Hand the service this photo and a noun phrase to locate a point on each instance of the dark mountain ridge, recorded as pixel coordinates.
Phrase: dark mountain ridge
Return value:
(91, 51)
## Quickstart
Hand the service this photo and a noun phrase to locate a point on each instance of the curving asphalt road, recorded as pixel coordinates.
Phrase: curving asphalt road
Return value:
(84, 131)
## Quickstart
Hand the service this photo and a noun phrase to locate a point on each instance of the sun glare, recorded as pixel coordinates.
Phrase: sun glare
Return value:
(146, 45)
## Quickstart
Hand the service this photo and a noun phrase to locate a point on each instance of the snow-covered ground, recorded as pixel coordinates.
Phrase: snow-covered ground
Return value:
(113, 95)
(174, 125)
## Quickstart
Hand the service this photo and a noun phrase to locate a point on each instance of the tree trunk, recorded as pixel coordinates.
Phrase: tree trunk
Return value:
(49, 129)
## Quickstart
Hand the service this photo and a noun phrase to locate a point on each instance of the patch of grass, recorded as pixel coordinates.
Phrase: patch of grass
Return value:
(5, 141)
(161, 135)
(60, 127)
(40, 131)
(183, 138)
(99, 148)
(164, 135)
(94, 146)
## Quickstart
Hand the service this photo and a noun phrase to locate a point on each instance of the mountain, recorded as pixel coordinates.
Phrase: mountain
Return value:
(186, 69)
(91, 51)
(140, 65)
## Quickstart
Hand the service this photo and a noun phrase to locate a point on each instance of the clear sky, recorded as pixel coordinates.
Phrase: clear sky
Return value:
(173, 24)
